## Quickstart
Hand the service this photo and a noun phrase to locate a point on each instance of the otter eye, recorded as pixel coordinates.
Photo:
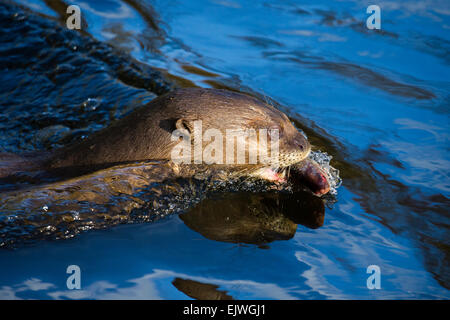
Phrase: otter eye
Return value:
(299, 144)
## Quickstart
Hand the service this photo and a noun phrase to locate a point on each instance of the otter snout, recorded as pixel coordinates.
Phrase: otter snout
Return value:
(294, 150)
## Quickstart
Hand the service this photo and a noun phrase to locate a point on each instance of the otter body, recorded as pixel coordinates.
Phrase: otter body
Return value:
(147, 134)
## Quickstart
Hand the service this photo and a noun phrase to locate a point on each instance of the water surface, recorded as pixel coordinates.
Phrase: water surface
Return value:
(378, 101)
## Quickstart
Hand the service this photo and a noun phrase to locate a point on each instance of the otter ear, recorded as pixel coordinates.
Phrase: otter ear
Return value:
(184, 125)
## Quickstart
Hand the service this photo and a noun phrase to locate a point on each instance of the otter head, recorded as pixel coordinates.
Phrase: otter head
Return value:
(234, 130)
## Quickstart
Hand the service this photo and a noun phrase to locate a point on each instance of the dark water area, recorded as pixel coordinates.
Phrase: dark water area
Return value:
(378, 101)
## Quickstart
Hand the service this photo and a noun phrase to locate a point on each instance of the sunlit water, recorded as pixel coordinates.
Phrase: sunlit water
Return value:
(376, 101)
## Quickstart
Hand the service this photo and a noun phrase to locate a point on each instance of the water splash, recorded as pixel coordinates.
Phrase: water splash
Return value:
(323, 159)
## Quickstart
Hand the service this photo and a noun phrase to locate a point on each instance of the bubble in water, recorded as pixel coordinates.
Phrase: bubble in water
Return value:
(90, 104)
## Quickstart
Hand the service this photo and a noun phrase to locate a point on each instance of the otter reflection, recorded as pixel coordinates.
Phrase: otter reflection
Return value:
(255, 218)
(199, 290)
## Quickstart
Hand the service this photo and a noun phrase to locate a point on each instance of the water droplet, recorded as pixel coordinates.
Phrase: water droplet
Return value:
(75, 215)
(323, 159)
(90, 104)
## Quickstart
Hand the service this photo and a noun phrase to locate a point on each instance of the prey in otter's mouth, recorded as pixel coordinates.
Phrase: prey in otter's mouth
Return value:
(306, 172)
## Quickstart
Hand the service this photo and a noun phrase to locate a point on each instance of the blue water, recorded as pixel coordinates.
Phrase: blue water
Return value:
(377, 101)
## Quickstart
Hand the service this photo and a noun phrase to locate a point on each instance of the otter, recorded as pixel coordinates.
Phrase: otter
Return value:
(147, 134)
(127, 173)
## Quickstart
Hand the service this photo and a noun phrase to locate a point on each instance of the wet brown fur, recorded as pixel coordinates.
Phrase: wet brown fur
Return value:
(145, 134)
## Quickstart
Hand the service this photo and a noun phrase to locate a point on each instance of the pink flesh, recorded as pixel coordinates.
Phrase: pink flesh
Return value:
(310, 174)
(271, 175)
(314, 178)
